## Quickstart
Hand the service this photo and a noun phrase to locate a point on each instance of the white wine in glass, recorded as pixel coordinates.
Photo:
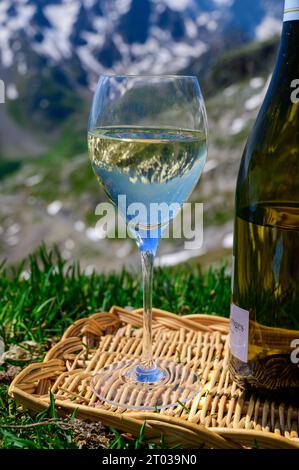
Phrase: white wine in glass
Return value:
(147, 141)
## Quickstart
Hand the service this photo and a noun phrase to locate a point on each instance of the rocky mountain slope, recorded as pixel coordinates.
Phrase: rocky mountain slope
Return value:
(53, 198)
(52, 52)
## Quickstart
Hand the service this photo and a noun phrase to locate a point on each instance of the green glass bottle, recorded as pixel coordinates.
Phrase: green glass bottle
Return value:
(264, 323)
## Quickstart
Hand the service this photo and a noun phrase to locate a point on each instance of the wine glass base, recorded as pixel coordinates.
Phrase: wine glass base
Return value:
(124, 384)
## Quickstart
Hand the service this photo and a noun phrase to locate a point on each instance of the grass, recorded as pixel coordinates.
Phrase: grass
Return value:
(71, 141)
(18, 430)
(7, 167)
(35, 312)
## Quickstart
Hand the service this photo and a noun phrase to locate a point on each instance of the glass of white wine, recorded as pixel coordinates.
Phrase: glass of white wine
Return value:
(147, 142)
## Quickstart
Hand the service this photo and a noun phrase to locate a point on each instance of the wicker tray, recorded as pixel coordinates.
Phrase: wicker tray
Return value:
(218, 417)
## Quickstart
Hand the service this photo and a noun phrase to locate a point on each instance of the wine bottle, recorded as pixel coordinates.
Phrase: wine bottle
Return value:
(264, 320)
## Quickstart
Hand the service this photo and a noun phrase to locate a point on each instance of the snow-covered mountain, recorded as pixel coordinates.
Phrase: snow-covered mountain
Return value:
(127, 36)
(51, 53)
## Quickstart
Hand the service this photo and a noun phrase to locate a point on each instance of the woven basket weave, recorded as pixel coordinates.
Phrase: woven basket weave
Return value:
(218, 417)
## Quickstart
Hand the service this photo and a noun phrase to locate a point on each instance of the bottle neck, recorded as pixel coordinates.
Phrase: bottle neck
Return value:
(287, 65)
(276, 129)
(291, 10)
(290, 35)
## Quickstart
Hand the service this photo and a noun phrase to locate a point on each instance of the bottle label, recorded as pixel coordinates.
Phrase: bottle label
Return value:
(291, 10)
(238, 332)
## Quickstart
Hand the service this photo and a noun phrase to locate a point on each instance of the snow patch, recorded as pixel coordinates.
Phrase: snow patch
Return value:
(12, 92)
(22, 68)
(210, 165)
(33, 180)
(212, 25)
(254, 102)
(88, 61)
(54, 207)
(69, 244)
(95, 234)
(123, 6)
(13, 229)
(79, 226)
(90, 269)
(191, 28)
(256, 82)
(62, 17)
(230, 91)
(173, 259)
(177, 5)
(268, 28)
(228, 240)
(237, 126)
(221, 3)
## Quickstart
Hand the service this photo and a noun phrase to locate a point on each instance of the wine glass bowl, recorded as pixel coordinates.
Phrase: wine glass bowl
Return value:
(147, 142)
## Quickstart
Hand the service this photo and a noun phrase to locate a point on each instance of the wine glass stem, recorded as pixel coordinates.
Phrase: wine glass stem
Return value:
(147, 258)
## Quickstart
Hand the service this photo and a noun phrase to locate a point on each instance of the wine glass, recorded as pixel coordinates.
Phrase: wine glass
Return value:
(147, 143)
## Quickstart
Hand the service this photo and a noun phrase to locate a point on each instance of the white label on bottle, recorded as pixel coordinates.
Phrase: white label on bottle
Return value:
(291, 10)
(238, 332)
